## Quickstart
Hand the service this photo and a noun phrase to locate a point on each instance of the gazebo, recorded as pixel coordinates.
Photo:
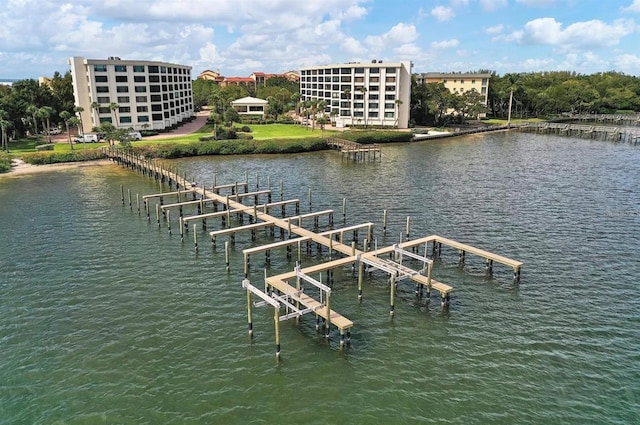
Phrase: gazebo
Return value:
(250, 106)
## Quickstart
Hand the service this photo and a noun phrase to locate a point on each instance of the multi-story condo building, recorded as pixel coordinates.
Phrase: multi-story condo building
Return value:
(148, 94)
(458, 82)
(372, 93)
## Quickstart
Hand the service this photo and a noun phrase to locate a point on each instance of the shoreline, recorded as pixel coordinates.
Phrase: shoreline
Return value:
(21, 168)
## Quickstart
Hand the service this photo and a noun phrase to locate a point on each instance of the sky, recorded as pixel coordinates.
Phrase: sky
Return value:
(238, 37)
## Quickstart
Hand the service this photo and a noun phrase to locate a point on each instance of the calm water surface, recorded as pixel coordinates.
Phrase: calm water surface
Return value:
(105, 318)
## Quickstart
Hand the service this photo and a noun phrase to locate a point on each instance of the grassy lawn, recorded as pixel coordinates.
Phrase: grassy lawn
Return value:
(29, 144)
(286, 131)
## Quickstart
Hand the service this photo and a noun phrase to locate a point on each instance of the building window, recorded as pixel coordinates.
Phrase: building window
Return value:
(374, 79)
(345, 79)
(154, 78)
(373, 96)
(156, 98)
(125, 120)
(105, 119)
(104, 110)
(139, 79)
(157, 117)
(123, 99)
(101, 79)
(360, 70)
(345, 113)
(373, 105)
(389, 97)
(122, 89)
(141, 99)
(104, 99)
(358, 113)
(391, 79)
(154, 88)
(389, 114)
(373, 114)
(153, 69)
(102, 89)
(345, 71)
(374, 71)
(143, 118)
(121, 68)
(374, 88)
(100, 68)
(140, 89)
(358, 105)
(390, 88)
(138, 68)
(121, 79)
(163, 69)
(389, 105)
(156, 107)
(124, 109)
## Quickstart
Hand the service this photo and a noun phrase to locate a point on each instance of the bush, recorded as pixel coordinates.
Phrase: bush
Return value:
(245, 129)
(245, 136)
(5, 162)
(40, 158)
(45, 147)
(370, 137)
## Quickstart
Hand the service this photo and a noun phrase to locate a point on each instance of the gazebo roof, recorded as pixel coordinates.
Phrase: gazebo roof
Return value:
(249, 100)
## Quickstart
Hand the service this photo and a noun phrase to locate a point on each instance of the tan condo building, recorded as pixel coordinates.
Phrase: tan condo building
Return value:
(148, 94)
(372, 93)
(458, 83)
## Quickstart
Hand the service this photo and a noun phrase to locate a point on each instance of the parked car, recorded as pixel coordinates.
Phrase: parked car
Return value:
(55, 130)
(87, 138)
(135, 135)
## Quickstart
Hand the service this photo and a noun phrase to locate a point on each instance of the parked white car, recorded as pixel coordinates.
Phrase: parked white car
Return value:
(55, 130)
(87, 138)
(135, 135)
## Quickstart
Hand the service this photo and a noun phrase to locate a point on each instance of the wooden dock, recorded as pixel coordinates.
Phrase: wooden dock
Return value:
(291, 301)
(598, 132)
(355, 151)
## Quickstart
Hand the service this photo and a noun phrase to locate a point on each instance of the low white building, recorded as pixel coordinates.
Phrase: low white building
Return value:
(372, 93)
(131, 94)
(250, 106)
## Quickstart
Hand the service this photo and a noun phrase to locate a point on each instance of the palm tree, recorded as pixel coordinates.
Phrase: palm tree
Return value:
(113, 106)
(78, 110)
(95, 107)
(33, 110)
(321, 122)
(398, 102)
(66, 116)
(4, 125)
(45, 114)
(295, 98)
(365, 102)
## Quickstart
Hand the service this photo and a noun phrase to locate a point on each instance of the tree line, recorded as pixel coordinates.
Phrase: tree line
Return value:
(535, 94)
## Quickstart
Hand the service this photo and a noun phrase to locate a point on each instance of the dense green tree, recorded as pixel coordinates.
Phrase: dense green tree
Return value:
(231, 116)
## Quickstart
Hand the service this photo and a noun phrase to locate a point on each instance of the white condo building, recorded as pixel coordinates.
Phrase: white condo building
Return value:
(150, 95)
(375, 93)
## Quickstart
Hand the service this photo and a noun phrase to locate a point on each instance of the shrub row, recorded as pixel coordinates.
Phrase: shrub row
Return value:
(40, 158)
(369, 137)
(231, 147)
(5, 162)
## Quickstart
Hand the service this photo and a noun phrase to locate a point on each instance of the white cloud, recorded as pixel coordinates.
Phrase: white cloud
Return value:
(537, 3)
(628, 62)
(459, 3)
(445, 44)
(580, 35)
(353, 46)
(496, 29)
(442, 13)
(491, 5)
(633, 7)
(399, 34)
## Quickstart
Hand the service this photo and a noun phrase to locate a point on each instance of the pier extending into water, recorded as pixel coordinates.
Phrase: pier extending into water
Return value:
(599, 132)
(294, 300)
(356, 151)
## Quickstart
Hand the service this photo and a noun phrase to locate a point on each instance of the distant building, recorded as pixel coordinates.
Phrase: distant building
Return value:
(458, 83)
(250, 106)
(149, 94)
(247, 82)
(372, 93)
(210, 75)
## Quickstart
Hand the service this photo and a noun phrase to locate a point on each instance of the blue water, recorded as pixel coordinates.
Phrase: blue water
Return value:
(106, 318)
